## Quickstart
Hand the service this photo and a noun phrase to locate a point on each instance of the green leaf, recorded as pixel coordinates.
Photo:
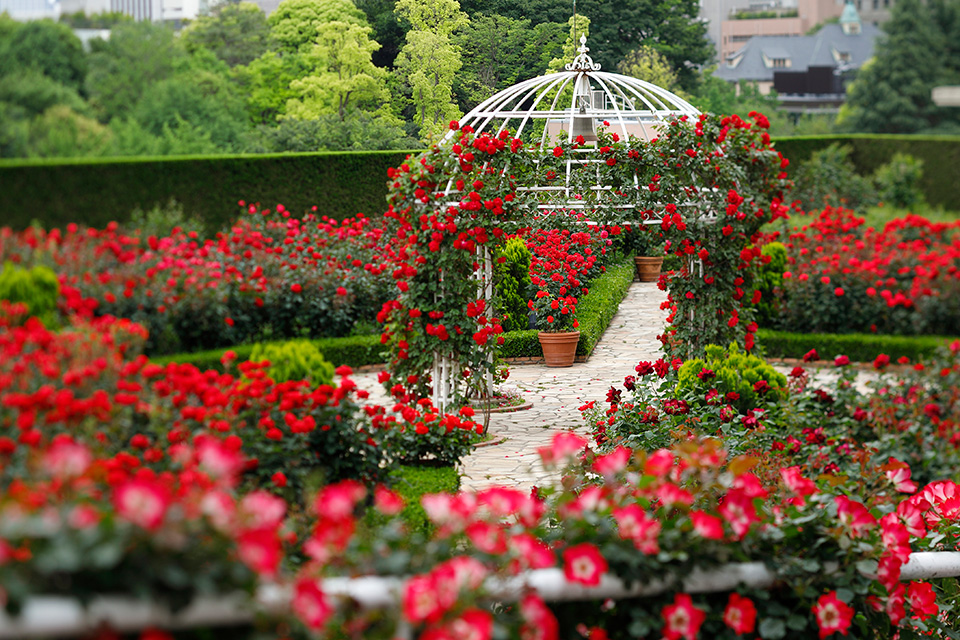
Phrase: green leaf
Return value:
(797, 622)
(772, 629)
(845, 594)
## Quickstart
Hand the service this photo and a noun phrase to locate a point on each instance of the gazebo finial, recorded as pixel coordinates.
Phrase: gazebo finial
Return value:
(583, 62)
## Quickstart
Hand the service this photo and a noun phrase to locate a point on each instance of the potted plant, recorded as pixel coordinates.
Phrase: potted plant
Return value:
(555, 318)
(647, 243)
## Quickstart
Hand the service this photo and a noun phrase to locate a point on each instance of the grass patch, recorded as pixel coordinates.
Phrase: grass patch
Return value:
(859, 347)
(414, 482)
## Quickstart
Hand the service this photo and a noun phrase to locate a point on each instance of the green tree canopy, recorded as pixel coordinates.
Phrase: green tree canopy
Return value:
(343, 74)
(35, 92)
(429, 61)
(200, 99)
(61, 132)
(235, 33)
(892, 93)
(47, 46)
(358, 130)
(648, 64)
(293, 26)
(386, 30)
(137, 56)
(537, 11)
(672, 27)
(578, 26)
(492, 49)
(265, 84)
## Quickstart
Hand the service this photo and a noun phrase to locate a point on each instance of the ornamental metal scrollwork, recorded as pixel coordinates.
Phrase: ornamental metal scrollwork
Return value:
(583, 62)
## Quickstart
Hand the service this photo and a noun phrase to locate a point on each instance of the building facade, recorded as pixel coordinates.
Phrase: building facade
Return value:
(808, 73)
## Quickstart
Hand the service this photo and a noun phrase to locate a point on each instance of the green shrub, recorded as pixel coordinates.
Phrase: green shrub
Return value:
(770, 282)
(353, 351)
(161, 220)
(940, 156)
(733, 371)
(898, 181)
(598, 307)
(512, 278)
(830, 178)
(294, 360)
(38, 288)
(859, 347)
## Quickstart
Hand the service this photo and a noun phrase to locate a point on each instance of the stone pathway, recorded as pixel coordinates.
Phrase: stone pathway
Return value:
(557, 394)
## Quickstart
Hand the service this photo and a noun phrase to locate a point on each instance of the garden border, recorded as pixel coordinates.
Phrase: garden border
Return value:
(519, 347)
(46, 616)
(859, 347)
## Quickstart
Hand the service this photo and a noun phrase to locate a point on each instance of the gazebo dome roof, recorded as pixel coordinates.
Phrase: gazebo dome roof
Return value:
(549, 104)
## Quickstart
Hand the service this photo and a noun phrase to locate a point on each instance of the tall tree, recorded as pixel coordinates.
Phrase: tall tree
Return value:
(672, 27)
(265, 84)
(137, 56)
(61, 132)
(537, 11)
(293, 26)
(196, 99)
(892, 94)
(386, 30)
(492, 49)
(648, 64)
(429, 60)
(47, 46)
(343, 75)
(235, 33)
(579, 25)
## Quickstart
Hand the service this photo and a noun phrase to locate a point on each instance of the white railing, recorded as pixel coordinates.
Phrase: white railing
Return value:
(65, 617)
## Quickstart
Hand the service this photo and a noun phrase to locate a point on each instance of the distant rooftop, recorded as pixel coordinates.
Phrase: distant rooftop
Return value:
(761, 56)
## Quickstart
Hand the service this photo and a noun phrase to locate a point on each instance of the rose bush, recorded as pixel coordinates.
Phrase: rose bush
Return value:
(841, 277)
(271, 276)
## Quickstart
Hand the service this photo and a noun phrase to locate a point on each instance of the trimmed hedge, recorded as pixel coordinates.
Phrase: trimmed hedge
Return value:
(412, 483)
(598, 308)
(95, 191)
(940, 156)
(355, 351)
(859, 347)
(595, 314)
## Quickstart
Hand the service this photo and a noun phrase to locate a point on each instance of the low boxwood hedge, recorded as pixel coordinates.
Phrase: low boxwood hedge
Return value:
(859, 347)
(355, 351)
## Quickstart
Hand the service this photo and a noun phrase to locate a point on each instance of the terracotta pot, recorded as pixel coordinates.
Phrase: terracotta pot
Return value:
(560, 348)
(648, 269)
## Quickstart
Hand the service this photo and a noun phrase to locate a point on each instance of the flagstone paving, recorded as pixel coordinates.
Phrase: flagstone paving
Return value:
(557, 394)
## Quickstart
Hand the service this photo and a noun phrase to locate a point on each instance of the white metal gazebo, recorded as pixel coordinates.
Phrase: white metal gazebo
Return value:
(571, 103)
(577, 101)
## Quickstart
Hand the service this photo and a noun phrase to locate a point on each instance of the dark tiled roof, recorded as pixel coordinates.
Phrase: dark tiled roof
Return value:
(802, 51)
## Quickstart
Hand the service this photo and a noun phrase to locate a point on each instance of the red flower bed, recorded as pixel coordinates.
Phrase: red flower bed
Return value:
(842, 277)
(271, 275)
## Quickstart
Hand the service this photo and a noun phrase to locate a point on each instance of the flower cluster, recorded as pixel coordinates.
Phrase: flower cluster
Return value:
(561, 263)
(631, 514)
(450, 209)
(271, 274)
(841, 277)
